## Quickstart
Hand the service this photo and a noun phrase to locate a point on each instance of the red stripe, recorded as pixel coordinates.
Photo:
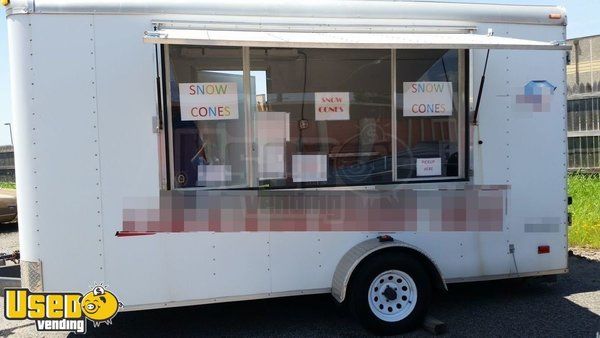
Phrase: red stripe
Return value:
(133, 233)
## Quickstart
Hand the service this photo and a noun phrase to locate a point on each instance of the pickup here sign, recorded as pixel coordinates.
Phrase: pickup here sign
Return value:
(427, 99)
(429, 166)
(208, 101)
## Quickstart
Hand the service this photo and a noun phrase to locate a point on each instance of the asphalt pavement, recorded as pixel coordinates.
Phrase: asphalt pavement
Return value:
(570, 307)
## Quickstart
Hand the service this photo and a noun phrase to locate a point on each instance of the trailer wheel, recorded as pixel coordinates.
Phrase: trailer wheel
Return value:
(390, 293)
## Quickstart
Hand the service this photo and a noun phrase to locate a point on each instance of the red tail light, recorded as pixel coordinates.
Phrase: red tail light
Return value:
(543, 249)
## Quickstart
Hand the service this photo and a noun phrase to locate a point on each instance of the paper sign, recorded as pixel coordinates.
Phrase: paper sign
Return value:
(208, 101)
(309, 168)
(214, 173)
(429, 166)
(427, 99)
(332, 106)
(272, 163)
(273, 131)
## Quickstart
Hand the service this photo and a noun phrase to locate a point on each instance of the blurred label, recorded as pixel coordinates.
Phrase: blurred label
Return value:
(309, 168)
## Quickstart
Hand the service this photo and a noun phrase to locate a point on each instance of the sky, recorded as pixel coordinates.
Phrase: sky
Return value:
(583, 21)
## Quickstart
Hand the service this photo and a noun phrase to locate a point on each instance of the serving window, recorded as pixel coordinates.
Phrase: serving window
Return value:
(207, 116)
(289, 118)
(429, 121)
(334, 106)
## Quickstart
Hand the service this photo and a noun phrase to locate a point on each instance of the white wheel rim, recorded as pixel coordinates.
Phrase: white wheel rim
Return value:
(392, 295)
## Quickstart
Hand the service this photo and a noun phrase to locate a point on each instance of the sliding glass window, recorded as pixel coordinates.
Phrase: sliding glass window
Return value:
(293, 117)
(322, 116)
(207, 117)
(429, 120)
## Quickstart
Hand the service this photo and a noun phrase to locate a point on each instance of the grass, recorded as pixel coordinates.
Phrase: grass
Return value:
(8, 185)
(585, 210)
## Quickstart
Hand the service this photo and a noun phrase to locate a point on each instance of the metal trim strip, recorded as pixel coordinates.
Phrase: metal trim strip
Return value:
(226, 299)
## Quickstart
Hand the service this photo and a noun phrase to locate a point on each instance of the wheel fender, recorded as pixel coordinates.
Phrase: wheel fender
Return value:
(359, 252)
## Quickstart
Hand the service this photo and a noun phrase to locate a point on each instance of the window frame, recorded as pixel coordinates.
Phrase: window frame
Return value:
(167, 171)
(462, 124)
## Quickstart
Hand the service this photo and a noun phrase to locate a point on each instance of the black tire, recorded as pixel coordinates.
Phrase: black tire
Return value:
(361, 283)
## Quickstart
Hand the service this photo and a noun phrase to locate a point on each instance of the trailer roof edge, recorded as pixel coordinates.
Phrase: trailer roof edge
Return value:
(372, 9)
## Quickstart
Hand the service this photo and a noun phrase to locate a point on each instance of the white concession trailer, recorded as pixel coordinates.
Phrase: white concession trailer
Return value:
(194, 152)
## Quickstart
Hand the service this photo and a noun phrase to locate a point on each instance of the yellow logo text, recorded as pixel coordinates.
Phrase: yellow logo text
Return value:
(61, 311)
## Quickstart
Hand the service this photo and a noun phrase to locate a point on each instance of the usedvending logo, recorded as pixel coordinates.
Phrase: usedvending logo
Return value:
(62, 311)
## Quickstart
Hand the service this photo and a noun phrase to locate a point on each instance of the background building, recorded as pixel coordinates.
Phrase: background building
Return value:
(583, 78)
(7, 164)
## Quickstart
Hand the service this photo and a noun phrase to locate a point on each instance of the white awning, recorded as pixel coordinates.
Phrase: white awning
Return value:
(344, 40)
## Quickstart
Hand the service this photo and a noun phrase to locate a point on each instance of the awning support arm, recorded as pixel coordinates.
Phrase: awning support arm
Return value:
(158, 89)
(481, 84)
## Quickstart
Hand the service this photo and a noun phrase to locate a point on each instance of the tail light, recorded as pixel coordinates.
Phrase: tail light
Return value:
(543, 249)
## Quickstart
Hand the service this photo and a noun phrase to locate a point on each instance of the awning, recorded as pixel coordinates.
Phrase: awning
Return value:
(344, 40)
